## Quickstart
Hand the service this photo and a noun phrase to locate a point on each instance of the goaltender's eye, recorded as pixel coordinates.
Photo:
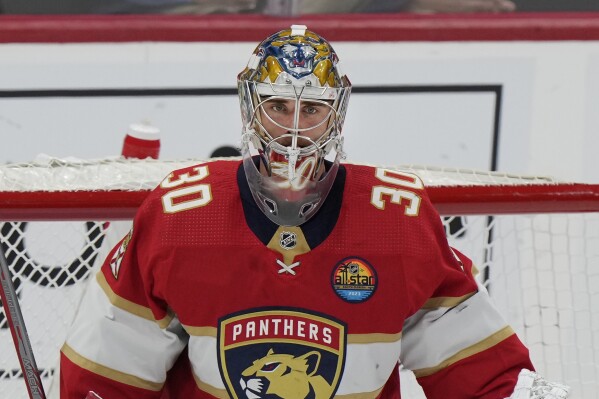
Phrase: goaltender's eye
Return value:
(277, 107)
(311, 110)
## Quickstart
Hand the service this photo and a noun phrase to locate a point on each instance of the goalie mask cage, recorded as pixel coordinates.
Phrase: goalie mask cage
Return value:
(534, 241)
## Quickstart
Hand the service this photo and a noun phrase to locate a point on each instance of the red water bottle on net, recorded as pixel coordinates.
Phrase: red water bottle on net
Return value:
(142, 141)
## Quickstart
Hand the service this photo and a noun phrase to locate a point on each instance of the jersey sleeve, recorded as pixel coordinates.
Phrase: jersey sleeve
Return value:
(457, 343)
(124, 338)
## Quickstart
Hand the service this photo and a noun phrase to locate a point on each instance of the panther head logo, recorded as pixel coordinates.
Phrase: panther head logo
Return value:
(298, 58)
(285, 376)
(281, 353)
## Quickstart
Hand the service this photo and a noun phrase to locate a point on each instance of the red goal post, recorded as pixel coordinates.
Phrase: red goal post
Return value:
(535, 242)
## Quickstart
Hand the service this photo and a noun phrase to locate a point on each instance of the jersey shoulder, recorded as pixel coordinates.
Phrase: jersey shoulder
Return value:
(210, 184)
(366, 174)
(388, 193)
(220, 173)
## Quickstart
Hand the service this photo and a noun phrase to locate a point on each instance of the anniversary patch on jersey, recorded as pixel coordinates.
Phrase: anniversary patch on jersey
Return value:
(354, 280)
(281, 353)
(117, 257)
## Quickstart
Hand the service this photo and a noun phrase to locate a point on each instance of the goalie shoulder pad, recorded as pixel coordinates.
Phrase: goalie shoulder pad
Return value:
(531, 385)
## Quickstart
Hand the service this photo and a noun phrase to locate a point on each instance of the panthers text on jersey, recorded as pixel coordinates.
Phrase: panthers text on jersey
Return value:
(206, 298)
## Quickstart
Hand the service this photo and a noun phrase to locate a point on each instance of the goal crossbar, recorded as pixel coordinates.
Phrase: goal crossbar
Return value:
(113, 189)
(449, 200)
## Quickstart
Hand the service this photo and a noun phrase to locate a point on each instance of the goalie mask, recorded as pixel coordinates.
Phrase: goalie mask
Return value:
(293, 101)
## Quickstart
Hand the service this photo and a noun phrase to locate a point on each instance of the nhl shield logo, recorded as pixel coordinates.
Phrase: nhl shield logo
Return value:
(288, 240)
(281, 353)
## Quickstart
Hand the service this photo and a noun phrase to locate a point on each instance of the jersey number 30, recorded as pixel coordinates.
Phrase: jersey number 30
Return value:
(399, 188)
(188, 197)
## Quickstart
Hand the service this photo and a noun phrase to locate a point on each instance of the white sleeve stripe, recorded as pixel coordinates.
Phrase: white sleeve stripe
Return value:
(216, 392)
(473, 350)
(367, 367)
(107, 372)
(203, 358)
(430, 337)
(132, 340)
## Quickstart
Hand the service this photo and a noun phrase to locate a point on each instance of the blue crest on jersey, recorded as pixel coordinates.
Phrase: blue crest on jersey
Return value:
(285, 353)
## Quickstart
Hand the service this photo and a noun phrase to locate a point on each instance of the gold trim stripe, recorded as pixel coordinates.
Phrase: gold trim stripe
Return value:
(351, 338)
(373, 338)
(446, 302)
(201, 331)
(291, 341)
(109, 373)
(128, 306)
(481, 346)
(204, 387)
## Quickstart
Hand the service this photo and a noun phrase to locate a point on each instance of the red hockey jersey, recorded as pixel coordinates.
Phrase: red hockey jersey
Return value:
(193, 304)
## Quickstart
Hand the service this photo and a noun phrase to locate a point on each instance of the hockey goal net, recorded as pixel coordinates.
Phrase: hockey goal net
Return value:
(535, 242)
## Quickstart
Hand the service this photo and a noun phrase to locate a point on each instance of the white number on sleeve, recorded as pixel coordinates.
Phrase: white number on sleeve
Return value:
(188, 197)
(197, 174)
(406, 182)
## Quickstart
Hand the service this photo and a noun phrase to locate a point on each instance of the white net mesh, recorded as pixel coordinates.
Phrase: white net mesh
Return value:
(118, 173)
(543, 273)
(541, 269)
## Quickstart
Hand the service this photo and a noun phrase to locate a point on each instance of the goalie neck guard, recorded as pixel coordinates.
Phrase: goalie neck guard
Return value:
(293, 99)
